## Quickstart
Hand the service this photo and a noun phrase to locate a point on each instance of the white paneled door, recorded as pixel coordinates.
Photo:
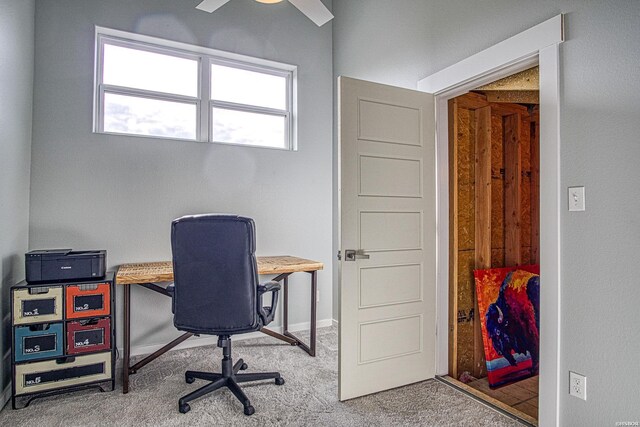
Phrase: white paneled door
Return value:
(387, 269)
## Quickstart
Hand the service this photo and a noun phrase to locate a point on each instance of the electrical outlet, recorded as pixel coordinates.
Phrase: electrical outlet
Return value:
(578, 385)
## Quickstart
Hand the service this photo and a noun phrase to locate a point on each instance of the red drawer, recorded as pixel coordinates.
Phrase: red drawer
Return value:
(88, 300)
(88, 335)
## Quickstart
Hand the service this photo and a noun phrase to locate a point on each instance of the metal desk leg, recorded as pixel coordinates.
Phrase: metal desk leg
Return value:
(286, 335)
(126, 339)
(314, 293)
(285, 310)
(127, 369)
(285, 314)
(311, 348)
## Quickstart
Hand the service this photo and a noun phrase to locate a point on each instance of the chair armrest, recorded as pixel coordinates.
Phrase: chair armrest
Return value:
(171, 291)
(267, 313)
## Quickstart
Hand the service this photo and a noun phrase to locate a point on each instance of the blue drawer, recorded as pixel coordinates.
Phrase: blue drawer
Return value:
(38, 341)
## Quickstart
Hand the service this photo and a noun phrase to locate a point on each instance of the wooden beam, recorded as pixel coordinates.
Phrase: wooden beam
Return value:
(513, 96)
(512, 178)
(482, 221)
(483, 188)
(508, 109)
(524, 80)
(453, 238)
(472, 101)
(535, 186)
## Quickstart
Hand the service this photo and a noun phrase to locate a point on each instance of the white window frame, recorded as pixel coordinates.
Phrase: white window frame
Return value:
(286, 113)
(203, 101)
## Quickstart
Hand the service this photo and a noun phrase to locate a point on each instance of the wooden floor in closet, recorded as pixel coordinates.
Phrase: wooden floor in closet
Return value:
(519, 399)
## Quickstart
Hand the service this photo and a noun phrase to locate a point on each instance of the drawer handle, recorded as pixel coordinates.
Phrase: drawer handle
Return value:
(87, 322)
(38, 290)
(65, 360)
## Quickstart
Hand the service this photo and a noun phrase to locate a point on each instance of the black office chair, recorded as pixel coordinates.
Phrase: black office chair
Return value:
(217, 293)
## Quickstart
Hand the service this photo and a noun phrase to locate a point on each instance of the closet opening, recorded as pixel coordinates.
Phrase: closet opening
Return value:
(494, 228)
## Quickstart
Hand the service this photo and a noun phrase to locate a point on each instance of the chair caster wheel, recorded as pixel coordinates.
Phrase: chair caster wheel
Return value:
(189, 380)
(249, 410)
(279, 381)
(243, 366)
(184, 408)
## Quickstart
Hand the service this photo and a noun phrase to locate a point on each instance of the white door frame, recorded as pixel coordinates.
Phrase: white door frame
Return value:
(537, 45)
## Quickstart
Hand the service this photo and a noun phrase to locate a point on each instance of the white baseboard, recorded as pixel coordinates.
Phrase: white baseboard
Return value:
(6, 396)
(212, 339)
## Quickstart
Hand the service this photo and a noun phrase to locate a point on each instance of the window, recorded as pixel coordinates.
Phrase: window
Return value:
(156, 88)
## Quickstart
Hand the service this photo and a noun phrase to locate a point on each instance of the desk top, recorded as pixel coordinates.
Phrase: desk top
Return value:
(152, 272)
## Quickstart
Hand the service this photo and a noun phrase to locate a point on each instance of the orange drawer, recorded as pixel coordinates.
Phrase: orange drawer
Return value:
(88, 300)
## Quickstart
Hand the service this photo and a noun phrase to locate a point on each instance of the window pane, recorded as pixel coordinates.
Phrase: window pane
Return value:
(144, 116)
(140, 69)
(248, 87)
(240, 127)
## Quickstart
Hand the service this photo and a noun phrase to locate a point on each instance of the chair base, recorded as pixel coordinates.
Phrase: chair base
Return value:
(229, 378)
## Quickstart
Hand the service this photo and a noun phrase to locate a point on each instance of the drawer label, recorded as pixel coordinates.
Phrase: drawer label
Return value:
(88, 338)
(63, 374)
(38, 307)
(39, 344)
(88, 302)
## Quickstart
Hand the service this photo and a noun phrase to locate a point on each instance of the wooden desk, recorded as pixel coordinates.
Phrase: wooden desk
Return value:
(148, 274)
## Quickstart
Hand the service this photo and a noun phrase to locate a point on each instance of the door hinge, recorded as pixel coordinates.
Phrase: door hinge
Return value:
(339, 256)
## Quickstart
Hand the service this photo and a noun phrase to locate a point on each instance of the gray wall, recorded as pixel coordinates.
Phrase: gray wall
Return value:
(119, 193)
(16, 94)
(379, 40)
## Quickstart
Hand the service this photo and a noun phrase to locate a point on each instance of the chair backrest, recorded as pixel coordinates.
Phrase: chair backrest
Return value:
(215, 274)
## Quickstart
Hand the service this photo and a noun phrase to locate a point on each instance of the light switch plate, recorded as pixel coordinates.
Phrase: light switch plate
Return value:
(576, 199)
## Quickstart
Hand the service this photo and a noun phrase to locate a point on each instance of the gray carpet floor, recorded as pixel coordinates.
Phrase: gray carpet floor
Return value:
(308, 398)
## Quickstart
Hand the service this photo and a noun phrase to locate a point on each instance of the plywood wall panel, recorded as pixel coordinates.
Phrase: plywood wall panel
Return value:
(497, 151)
(497, 213)
(526, 255)
(525, 144)
(525, 212)
(497, 257)
(535, 185)
(465, 146)
(466, 302)
(466, 216)
(512, 180)
(466, 265)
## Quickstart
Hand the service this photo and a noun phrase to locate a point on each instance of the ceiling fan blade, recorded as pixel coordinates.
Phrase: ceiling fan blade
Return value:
(314, 9)
(211, 5)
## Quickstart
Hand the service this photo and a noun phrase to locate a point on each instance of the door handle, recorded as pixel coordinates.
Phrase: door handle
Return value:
(353, 254)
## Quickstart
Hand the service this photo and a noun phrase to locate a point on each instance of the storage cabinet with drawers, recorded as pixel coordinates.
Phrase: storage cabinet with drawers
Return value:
(63, 337)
